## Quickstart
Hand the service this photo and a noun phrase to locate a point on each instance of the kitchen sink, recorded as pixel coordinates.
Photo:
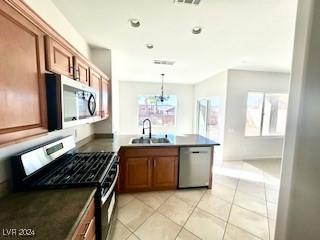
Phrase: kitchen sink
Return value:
(140, 141)
(154, 140)
(160, 140)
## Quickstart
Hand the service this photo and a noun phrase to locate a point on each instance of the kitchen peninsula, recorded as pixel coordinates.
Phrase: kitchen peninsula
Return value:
(160, 163)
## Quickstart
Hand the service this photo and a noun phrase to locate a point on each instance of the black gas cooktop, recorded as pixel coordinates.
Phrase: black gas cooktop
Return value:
(79, 168)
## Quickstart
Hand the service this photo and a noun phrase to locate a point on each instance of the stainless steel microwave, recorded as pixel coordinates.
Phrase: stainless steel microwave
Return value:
(70, 102)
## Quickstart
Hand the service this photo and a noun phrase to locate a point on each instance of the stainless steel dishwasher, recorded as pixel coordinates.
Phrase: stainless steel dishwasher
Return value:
(194, 166)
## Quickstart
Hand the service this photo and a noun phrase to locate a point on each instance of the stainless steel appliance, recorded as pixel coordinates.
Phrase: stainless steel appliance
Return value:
(70, 102)
(194, 166)
(58, 165)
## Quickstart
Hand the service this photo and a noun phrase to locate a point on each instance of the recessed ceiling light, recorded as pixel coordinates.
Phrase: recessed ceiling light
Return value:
(196, 30)
(134, 22)
(149, 46)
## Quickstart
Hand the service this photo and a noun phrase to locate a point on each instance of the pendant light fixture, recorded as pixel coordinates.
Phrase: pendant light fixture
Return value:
(162, 98)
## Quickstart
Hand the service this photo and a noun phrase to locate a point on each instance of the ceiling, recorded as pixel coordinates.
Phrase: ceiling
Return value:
(242, 34)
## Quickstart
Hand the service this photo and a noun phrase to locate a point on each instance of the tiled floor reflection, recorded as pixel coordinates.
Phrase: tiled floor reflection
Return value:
(241, 206)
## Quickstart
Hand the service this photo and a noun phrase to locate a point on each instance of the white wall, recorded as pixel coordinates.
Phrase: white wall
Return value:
(48, 11)
(52, 15)
(129, 92)
(236, 145)
(298, 209)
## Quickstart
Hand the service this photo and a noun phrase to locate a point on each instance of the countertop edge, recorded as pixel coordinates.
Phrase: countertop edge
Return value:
(80, 216)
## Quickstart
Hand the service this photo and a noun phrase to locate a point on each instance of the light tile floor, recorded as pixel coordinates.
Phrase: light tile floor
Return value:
(241, 206)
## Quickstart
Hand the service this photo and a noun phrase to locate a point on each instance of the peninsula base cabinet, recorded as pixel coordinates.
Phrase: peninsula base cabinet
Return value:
(148, 169)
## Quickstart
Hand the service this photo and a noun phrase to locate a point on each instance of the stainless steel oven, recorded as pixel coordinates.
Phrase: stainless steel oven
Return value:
(70, 102)
(108, 205)
(57, 164)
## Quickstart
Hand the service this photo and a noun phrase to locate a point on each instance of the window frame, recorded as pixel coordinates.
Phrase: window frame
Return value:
(262, 114)
(207, 100)
(153, 125)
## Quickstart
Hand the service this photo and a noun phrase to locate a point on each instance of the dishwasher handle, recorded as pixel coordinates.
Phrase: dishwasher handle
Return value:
(198, 152)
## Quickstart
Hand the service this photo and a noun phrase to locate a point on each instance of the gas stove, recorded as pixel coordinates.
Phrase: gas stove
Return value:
(80, 168)
(57, 164)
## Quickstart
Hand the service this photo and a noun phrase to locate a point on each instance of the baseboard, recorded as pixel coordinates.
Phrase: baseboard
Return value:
(103, 135)
(254, 158)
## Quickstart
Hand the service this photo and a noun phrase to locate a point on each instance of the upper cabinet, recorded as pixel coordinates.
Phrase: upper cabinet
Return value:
(29, 47)
(81, 70)
(95, 82)
(101, 83)
(63, 61)
(22, 90)
(58, 58)
(105, 94)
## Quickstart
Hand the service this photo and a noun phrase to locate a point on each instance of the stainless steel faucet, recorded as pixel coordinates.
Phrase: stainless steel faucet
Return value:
(143, 128)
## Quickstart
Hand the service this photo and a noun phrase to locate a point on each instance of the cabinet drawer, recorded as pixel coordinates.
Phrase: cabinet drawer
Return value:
(151, 151)
(86, 228)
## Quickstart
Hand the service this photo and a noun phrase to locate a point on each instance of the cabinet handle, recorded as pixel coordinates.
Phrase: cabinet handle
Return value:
(87, 228)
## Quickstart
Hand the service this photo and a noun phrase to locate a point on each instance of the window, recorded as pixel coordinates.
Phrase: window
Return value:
(266, 114)
(208, 117)
(161, 114)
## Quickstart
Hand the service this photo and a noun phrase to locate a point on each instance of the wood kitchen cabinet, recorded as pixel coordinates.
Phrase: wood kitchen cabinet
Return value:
(165, 171)
(23, 110)
(58, 58)
(81, 70)
(95, 82)
(87, 226)
(29, 48)
(138, 173)
(105, 98)
(146, 169)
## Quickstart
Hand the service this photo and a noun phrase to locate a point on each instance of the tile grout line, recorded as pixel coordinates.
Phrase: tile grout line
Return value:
(154, 211)
(195, 206)
(234, 195)
(247, 210)
(265, 192)
(126, 202)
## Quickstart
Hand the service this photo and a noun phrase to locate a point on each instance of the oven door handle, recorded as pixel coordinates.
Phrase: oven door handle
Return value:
(105, 197)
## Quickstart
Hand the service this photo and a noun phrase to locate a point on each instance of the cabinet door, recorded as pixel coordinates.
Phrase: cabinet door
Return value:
(58, 59)
(138, 173)
(165, 172)
(95, 82)
(81, 71)
(104, 98)
(22, 90)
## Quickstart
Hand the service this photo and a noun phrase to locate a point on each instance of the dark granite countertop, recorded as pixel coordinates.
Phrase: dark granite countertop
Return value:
(52, 214)
(114, 144)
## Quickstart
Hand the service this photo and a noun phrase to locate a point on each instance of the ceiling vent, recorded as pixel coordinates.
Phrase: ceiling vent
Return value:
(194, 2)
(163, 62)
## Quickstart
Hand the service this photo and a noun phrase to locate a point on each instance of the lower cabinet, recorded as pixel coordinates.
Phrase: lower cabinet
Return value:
(149, 169)
(87, 226)
(138, 173)
(165, 171)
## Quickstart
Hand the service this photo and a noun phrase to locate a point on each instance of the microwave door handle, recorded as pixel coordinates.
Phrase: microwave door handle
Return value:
(92, 108)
